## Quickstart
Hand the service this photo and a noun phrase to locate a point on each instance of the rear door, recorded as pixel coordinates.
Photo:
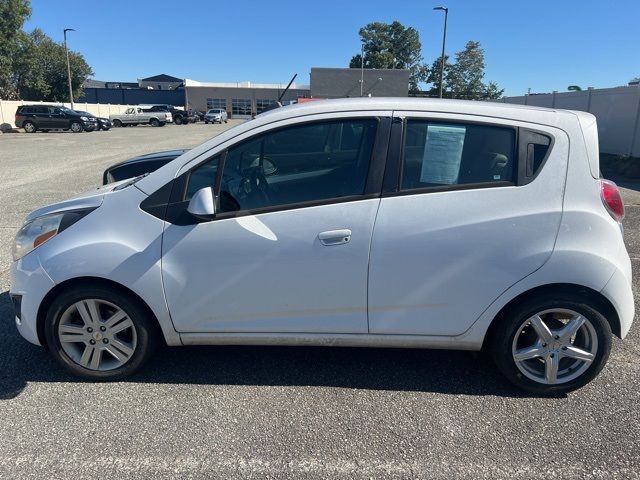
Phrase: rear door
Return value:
(461, 219)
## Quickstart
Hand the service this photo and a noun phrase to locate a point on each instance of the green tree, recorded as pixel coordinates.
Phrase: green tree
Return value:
(41, 72)
(433, 78)
(13, 14)
(392, 45)
(465, 76)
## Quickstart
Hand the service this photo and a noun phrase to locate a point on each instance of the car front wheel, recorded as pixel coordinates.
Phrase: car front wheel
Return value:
(99, 333)
(551, 345)
(76, 127)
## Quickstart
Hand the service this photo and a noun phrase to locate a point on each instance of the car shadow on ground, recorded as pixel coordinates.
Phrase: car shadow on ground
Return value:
(439, 371)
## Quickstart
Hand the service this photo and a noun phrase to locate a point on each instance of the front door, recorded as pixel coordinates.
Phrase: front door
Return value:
(289, 248)
(462, 224)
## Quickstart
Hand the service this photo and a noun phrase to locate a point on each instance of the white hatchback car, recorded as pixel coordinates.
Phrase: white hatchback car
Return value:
(356, 222)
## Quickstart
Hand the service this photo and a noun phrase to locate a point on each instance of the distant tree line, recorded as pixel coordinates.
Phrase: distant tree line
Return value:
(32, 65)
(392, 45)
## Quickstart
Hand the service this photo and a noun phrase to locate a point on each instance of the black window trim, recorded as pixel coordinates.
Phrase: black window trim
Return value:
(169, 204)
(523, 178)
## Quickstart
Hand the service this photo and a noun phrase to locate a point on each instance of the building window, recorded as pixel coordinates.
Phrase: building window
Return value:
(241, 106)
(217, 103)
(262, 104)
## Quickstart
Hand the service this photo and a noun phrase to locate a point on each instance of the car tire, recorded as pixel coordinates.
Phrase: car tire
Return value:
(29, 127)
(162, 124)
(206, 122)
(154, 122)
(76, 127)
(528, 359)
(117, 123)
(178, 120)
(106, 129)
(112, 354)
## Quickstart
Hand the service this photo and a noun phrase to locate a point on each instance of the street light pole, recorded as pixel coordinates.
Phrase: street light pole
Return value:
(361, 69)
(68, 65)
(444, 41)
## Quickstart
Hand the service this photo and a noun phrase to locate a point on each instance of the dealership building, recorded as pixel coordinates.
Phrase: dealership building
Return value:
(244, 99)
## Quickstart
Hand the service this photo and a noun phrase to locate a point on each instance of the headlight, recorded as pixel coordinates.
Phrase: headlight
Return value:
(84, 119)
(39, 230)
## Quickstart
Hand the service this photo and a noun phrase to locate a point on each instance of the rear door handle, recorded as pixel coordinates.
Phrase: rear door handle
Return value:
(335, 237)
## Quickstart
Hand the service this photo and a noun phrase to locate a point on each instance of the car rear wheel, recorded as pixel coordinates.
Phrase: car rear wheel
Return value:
(552, 344)
(155, 122)
(117, 123)
(30, 127)
(99, 333)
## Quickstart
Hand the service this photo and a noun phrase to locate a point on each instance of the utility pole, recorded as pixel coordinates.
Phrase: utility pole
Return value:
(68, 65)
(444, 41)
(361, 69)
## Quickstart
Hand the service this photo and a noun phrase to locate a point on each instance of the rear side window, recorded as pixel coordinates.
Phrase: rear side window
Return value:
(439, 154)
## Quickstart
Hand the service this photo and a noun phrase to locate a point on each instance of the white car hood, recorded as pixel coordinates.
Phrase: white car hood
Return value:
(90, 199)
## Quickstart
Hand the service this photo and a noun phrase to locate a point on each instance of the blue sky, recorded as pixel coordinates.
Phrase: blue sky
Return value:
(544, 45)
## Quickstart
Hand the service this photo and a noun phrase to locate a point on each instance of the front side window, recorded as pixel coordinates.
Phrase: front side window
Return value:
(442, 154)
(310, 162)
(202, 176)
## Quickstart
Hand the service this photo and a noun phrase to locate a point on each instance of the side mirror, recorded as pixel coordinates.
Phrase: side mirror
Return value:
(202, 204)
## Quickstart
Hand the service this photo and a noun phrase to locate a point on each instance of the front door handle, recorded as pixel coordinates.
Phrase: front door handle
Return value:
(335, 237)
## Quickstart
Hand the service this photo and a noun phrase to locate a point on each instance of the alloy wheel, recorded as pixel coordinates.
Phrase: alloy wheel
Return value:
(555, 346)
(97, 335)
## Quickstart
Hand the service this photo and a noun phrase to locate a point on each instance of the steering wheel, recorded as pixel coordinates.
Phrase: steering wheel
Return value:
(258, 185)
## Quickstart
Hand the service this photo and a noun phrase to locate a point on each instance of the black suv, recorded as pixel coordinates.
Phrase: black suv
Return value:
(50, 117)
(180, 117)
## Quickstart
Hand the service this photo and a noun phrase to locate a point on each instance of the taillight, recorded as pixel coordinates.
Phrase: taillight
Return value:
(611, 198)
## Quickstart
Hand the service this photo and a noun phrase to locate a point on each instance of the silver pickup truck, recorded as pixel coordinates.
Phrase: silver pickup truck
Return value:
(140, 116)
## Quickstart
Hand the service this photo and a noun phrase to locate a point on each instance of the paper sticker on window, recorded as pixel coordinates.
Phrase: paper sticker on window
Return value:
(442, 154)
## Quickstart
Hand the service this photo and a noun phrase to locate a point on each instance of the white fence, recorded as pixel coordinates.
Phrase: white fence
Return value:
(8, 109)
(617, 110)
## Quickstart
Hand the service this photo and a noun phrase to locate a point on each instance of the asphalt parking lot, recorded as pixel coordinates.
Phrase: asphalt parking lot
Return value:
(272, 412)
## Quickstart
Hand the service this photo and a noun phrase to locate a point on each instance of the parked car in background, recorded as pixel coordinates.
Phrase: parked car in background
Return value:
(180, 117)
(216, 115)
(102, 123)
(200, 115)
(396, 222)
(139, 165)
(52, 117)
(139, 116)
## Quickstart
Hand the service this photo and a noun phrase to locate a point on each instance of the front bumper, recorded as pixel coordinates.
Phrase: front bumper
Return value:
(90, 126)
(30, 284)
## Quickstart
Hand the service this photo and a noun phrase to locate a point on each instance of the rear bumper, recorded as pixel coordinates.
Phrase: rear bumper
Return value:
(620, 293)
